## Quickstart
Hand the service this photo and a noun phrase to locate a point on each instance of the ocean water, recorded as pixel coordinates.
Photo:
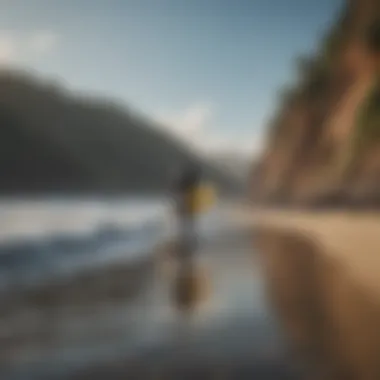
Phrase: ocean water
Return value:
(45, 239)
(53, 239)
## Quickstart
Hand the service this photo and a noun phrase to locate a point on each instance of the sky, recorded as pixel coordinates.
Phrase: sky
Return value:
(206, 70)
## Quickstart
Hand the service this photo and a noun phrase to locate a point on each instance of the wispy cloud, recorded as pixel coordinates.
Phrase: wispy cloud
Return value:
(16, 46)
(7, 47)
(193, 126)
(42, 42)
(189, 122)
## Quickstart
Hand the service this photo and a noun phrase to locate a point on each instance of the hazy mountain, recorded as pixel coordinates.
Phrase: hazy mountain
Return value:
(53, 140)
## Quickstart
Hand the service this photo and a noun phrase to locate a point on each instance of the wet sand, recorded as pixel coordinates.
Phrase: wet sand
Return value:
(332, 321)
(282, 297)
(352, 238)
(229, 331)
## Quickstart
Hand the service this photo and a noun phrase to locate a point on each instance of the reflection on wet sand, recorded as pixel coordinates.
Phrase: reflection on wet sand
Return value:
(189, 289)
(220, 329)
(333, 324)
(189, 282)
(128, 323)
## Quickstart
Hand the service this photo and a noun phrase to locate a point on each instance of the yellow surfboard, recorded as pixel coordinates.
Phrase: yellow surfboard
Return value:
(203, 198)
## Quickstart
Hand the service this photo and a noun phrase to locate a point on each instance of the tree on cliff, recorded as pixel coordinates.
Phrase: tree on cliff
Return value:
(307, 159)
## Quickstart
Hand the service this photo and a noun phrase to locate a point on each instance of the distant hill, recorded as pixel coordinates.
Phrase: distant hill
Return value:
(52, 140)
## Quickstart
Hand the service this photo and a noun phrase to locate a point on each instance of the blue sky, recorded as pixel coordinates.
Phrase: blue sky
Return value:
(207, 69)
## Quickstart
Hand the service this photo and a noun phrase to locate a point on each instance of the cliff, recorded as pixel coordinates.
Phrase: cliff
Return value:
(323, 145)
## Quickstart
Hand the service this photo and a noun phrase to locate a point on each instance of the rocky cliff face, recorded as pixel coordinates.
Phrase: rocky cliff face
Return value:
(324, 143)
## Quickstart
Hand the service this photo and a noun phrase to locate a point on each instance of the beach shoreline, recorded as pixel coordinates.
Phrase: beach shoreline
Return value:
(352, 238)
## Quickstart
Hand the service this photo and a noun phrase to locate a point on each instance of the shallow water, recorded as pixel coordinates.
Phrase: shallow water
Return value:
(46, 240)
(231, 324)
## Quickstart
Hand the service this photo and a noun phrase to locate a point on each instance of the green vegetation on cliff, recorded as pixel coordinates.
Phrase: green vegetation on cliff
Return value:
(368, 121)
(372, 37)
(324, 135)
(367, 130)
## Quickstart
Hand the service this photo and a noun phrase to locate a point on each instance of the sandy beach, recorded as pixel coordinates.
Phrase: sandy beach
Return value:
(352, 238)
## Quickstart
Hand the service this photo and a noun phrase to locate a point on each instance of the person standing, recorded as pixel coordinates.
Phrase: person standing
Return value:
(186, 184)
